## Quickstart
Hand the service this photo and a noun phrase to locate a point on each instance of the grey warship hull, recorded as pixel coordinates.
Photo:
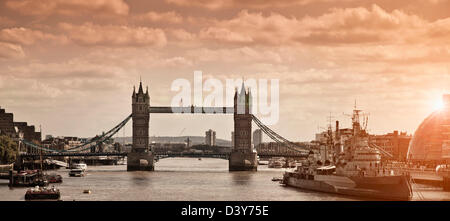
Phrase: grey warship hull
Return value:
(381, 187)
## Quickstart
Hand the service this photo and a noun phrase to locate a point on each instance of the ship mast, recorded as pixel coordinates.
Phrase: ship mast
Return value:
(330, 142)
(40, 151)
(355, 121)
(356, 126)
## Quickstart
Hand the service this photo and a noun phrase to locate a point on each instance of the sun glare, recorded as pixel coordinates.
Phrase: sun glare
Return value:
(439, 105)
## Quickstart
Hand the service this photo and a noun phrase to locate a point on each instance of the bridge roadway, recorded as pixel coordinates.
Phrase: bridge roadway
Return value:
(192, 110)
(161, 155)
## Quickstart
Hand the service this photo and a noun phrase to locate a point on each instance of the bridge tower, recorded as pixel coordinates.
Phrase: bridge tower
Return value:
(243, 155)
(140, 157)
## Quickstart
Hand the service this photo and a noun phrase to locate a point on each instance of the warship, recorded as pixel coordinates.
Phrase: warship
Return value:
(356, 170)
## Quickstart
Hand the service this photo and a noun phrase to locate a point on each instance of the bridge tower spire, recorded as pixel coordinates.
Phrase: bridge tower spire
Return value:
(140, 157)
(243, 156)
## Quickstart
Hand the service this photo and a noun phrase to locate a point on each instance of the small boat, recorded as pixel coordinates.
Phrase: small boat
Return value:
(290, 164)
(263, 162)
(82, 166)
(43, 193)
(77, 172)
(277, 179)
(54, 178)
(276, 163)
(87, 191)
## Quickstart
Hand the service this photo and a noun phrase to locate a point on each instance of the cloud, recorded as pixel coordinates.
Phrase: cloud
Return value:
(55, 71)
(359, 25)
(225, 35)
(165, 17)
(253, 28)
(360, 17)
(176, 62)
(8, 50)
(260, 4)
(236, 55)
(25, 36)
(52, 85)
(90, 34)
(68, 7)
(437, 1)
(181, 35)
(439, 29)
(5, 21)
(115, 64)
(338, 26)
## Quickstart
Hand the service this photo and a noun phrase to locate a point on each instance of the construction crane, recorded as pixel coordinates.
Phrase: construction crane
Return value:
(187, 139)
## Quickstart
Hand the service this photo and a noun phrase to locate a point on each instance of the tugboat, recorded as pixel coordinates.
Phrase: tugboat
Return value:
(357, 172)
(38, 193)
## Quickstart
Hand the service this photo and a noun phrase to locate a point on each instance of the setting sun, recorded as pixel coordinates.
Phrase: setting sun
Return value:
(438, 105)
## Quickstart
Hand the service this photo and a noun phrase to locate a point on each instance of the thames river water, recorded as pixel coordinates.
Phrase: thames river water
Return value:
(187, 179)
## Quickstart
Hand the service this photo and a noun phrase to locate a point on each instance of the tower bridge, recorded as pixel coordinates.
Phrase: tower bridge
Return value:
(242, 157)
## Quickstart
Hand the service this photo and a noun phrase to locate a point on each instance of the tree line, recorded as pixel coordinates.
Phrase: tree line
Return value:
(8, 150)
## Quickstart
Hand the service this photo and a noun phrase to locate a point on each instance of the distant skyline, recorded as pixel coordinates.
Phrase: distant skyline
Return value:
(71, 65)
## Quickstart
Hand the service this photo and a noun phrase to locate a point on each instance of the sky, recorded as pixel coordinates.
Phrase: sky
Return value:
(70, 65)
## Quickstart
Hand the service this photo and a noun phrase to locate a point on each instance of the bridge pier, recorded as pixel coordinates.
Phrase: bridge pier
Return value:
(140, 161)
(241, 161)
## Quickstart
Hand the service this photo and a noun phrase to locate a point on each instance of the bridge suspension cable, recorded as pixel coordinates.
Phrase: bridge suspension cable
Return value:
(85, 146)
(278, 138)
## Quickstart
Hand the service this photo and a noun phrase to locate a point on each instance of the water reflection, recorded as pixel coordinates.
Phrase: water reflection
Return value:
(242, 178)
(140, 178)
